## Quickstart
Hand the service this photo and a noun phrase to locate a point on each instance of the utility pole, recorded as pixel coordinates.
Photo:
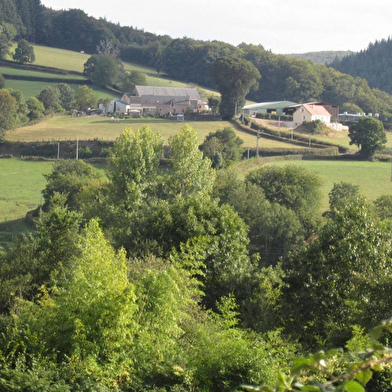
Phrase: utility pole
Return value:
(257, 144)
(310, 142)
(248, 152)
(58, 150)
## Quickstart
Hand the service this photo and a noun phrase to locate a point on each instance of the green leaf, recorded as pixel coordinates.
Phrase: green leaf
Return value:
(364, 377)
(353, 386)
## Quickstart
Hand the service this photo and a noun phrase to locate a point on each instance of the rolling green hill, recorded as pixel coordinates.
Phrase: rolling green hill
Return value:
(68, 60)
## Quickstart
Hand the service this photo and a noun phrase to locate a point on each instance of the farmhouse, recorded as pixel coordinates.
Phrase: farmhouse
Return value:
(165, 100)
(311, 112)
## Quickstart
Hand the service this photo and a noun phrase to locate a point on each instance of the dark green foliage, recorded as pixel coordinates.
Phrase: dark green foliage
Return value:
(68, 177)
(8, 112)
(21, 107)
(103, 70)
(371, 63)
(224, 142)
(313, 127)
(383, 206)
(341, 194)
(368, 134)
(85, 97)
(128, 81)
(66, 96)
(273, 228)
(7, 34)
(50, 97)
(213, 103)
(24, 52)
(189, 60)
(234, 77)
(40, 259)
(340, 279)
(293, 187)
(36, 108)
(160, 226)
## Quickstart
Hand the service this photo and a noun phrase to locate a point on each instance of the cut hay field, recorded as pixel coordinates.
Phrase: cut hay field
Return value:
(87, 128)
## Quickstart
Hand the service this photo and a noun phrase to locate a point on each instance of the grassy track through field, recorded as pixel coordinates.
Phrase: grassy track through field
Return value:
(66, 127)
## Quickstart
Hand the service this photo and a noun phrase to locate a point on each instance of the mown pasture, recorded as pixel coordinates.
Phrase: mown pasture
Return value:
(373, 178)
(21, 186)
(87, 128)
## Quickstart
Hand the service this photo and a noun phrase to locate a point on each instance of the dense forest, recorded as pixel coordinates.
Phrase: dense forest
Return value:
(373, 64)
(189, 60)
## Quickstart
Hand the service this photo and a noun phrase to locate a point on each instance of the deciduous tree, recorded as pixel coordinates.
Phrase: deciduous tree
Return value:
(191, 174)
(368, 134)
(8, 112)
(225, 142)
(24, 52)
(234, 77)
(85, 97)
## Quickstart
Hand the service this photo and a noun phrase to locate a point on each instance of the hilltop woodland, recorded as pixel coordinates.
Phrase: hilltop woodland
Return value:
(184, 278)
(189, 60)
(371, 63)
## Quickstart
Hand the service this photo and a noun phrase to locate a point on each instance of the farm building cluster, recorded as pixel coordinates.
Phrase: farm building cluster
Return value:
(150, 100)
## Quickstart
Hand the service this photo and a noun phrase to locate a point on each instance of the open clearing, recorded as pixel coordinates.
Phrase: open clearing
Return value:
(87, 128)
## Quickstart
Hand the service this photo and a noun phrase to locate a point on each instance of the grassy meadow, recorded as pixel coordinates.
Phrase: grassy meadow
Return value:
(66, 127)
(373, 178)
(22, 182)
(74, 61)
